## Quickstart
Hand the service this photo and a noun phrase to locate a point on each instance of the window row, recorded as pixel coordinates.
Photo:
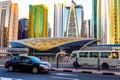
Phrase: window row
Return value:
(96, 55)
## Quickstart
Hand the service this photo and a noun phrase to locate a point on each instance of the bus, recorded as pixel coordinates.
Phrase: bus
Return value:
(104, 59)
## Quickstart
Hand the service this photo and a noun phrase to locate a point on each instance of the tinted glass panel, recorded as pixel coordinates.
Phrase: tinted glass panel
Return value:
(34, 58)
(83, 54)
(94, 54)
(17, 58)
(74, 56)
(24, 59)
(105, 54)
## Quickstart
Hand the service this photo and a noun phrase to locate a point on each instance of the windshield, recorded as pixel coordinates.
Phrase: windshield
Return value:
(34, 58)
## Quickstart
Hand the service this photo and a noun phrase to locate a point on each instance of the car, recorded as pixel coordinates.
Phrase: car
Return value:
(27, 63)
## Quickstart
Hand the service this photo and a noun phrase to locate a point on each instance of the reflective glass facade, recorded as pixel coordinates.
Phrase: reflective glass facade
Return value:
(59, 20)
(94, 17)
(87, 29)
(68, 21)
(23, 28)
(38, 21)
(100, 20)
(73, 20)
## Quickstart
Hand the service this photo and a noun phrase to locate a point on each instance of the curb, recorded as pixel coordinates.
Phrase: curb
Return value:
(84, 71)
(108, 73)
(89, 71)
(1, 66)
(67, 71)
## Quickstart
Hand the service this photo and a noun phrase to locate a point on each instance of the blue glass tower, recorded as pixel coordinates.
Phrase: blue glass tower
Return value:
(73, 20)
(68, 21)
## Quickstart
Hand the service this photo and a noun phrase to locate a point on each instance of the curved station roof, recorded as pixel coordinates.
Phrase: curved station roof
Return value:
(52, 45)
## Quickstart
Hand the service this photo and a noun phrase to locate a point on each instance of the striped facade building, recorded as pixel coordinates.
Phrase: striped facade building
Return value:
(38, 21)
(8, 22)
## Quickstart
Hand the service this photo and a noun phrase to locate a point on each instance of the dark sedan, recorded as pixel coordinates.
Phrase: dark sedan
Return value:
(29, 63)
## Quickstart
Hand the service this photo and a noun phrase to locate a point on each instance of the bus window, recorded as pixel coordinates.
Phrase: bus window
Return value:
(113, 55)
(105, 54)
(83, 54)
(94, 54)
(74, 55)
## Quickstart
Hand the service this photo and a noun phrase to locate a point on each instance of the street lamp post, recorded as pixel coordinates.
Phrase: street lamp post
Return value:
(58, 54)
(33, 52)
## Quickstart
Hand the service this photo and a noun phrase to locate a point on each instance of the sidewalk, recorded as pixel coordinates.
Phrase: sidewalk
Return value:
(104, 72)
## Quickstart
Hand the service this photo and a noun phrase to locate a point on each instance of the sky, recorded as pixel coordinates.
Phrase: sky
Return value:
(23, 7)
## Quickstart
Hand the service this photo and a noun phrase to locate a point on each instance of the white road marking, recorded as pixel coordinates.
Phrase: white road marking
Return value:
(65, 78)
(6, 78)
(66, 74)
(2, 68)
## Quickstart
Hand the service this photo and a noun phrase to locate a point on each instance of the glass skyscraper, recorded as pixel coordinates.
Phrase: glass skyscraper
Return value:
(58, 20)
(73, 20)
(100, 20)
(49, 30)
(8, 22)
(87, 29)
(23, 28)
(106, 21)
(38, 21)
(68, 21)
(94, 17)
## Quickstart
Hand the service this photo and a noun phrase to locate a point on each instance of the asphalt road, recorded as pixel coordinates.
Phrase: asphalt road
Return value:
(54, 75)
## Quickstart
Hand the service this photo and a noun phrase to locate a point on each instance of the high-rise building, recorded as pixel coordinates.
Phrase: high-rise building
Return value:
(73, 20)
(38, 21)
(23, 28)
(114, 20)
(94, 18)
(49, 30)
(87, 29)
(8, 22)
(68, 21)
(58, 20)
(100, 20)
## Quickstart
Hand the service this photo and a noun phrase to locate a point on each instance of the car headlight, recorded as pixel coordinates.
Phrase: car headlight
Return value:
(50, 65)
(43, 66)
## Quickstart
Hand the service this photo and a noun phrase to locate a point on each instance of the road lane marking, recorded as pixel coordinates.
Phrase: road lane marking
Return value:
(64, 74)
(6, 78)
(64, 78)
(2, 68)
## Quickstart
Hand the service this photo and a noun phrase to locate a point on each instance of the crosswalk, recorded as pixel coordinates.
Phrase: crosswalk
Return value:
(5, 78)
(65, 76)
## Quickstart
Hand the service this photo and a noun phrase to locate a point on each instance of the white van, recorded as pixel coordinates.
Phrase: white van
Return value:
(105, 59)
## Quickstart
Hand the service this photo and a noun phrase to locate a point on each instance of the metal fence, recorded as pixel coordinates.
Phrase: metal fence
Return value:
(64, 62)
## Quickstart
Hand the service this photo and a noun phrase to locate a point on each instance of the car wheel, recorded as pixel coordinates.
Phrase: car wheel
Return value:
(105, 66)
(10, 68)
(35, 70)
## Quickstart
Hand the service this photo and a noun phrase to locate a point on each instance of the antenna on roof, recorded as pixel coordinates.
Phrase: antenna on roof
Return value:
(73, 2)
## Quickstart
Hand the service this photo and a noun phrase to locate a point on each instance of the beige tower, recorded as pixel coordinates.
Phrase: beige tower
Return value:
(8, 22)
